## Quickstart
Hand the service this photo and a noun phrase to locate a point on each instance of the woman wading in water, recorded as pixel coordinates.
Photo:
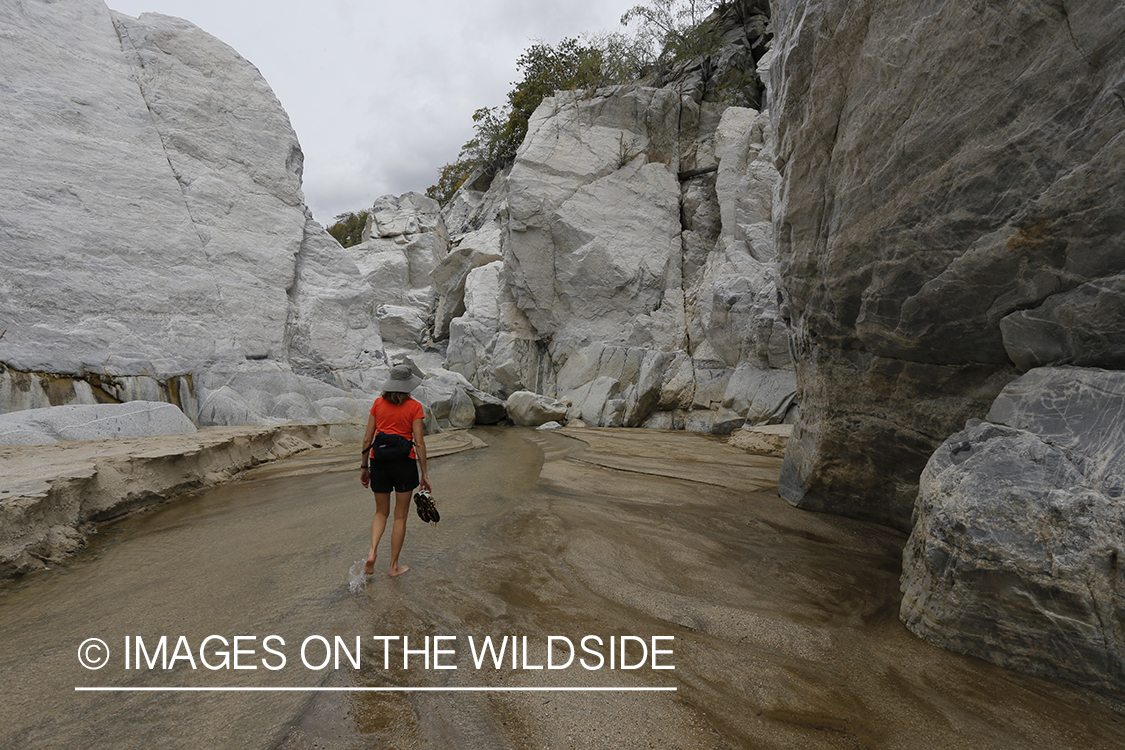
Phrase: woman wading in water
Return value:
(394, 413)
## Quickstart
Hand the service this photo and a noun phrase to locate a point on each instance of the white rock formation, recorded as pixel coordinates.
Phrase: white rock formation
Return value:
(638, 274)
(404, 241)
(96, 422)
(154, 239)
(473, 250)
(622, 263)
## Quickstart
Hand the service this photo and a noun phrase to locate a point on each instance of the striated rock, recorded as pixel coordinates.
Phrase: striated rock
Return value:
(1019, 530)
(30, 390)
(532, 410)
(921, 209)
(53, 495)
(155, 169)
(1084, 326)
(94, 422)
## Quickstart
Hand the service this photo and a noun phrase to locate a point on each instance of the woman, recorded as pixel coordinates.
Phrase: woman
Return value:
(394, 412)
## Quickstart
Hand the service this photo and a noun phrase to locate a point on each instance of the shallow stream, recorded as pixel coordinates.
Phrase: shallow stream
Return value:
(781, 624)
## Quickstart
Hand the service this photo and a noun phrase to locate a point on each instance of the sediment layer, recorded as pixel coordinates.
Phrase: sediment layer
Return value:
(52, 496)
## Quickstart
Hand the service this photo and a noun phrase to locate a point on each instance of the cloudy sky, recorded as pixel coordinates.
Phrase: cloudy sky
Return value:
(381, 94)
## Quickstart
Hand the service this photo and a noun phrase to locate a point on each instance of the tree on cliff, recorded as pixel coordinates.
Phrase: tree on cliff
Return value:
(668, 32)
(571, 64)
(674, 31)
(348, 229)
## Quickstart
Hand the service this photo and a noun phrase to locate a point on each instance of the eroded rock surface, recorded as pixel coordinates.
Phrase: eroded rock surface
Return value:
(953, 193)
(53, 495)
(96, 422)
(1019, 531)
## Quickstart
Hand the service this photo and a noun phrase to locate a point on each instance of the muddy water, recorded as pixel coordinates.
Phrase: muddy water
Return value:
(781, 624)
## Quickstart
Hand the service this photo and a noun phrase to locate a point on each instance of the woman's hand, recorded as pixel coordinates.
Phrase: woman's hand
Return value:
(426, 483)
(364, 477)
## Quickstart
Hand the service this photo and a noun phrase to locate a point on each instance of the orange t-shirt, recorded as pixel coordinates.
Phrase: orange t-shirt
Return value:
(397, 420)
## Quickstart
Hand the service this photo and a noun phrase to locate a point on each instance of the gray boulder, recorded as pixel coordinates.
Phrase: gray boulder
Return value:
(532, 410)
(451, 401)
(1019, 531)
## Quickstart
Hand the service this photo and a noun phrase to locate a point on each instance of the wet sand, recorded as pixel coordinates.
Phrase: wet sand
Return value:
(782, 623)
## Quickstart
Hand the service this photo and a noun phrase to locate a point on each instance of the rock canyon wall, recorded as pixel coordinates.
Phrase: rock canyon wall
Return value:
(154, 238)
(625, 262)
(913, 245)
(952, 218)
(952, 202)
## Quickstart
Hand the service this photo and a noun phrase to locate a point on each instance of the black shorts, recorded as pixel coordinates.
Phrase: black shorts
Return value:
(400, 475)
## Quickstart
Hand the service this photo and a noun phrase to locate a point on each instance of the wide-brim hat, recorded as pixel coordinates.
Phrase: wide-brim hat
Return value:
(402, 379)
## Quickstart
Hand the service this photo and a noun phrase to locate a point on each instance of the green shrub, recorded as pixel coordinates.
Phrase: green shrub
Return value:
(669, 32)
(571, 64)
(348, 229)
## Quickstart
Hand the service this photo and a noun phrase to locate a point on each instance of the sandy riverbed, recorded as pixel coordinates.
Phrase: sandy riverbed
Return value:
(781, 623)
(53, 496)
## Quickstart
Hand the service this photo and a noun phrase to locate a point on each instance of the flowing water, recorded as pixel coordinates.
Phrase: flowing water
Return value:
(781, 624)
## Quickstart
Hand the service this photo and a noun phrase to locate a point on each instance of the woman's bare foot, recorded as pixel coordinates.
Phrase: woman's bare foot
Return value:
(369, 566)
(397, 570)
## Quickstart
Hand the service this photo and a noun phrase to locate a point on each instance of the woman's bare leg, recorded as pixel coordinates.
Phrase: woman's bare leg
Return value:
(398, 531)
(378, 524)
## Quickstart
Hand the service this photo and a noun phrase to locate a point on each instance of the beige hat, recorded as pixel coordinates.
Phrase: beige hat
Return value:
(402, 379)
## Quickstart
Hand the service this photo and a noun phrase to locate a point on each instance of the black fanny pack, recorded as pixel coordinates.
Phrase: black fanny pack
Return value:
(388, 447)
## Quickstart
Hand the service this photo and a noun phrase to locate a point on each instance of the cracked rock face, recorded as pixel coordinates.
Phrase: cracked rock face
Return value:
(1017, 552)
(154, 227)
(404, 241)
(951, 213)
(636, 270)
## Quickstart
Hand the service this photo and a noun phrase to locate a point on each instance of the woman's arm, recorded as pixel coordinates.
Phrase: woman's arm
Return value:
(420, 451)
(364, 472)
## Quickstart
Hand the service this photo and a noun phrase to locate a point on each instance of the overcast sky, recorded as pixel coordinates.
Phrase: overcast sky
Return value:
(382, 94)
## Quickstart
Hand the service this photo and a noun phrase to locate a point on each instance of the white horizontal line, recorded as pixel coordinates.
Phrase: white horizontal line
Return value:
(370, 689)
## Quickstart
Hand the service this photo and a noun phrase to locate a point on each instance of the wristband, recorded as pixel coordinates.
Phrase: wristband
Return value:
(364, 467)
